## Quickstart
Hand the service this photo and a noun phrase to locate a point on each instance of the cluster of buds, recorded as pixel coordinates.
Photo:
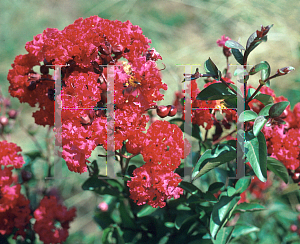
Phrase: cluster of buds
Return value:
(7, 114)
(164, 111)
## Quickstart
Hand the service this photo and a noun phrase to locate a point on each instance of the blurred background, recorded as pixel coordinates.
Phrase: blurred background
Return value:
(183, 32)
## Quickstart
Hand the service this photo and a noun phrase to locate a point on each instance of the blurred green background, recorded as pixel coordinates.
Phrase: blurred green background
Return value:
(183, 32)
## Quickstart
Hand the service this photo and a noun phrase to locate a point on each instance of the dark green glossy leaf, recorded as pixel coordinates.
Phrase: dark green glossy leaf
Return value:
(265, 110)
(213, 158)
(146, 210)
(278, 169)
(256, 153)
(191, 188)
(182, 217)
(234, 44)
(103, 186)
(224, 235)
(127, 220)
(249, 207)
(118, 233)
(238, 55)
(211, 68)
(264, 98)
(221, 213)
(231, 102)
(215, 187)
(259, 123)
(247, 115)
(242, 184)
(277, 109)
(215, 91)
(258, 67)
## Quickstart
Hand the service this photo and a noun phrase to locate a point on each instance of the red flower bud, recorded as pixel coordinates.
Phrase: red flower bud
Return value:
(173, 110)
(162, 111)
(226, 51)
(12, 114)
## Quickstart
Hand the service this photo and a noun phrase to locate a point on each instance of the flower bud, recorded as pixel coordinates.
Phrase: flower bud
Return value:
(26, 175)
(3, 120)
(293, 228)
(162, 111)
(12, 114)
(103, 206)
(226, 51)
(44, 69)
(173, 110)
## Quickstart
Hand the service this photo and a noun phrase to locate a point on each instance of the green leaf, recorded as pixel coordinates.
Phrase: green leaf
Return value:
(231, 102)
(146, 210)
(277, 109)
(265, 110)
(119, 234)
(211, 68)
(102, 187)
(256, 153)
(250, 92)
(243, 229)
(259, 123)
(125, 216)
(191, 188)
(213, 158)
(238, 55)
(224, 235)
(265, 73)
(216, 91)
(242, 184)
(233, 44)
(278, 169)
(258, 67)
(264, 98)
(215, 187)
(248, 207)
(105, 234)
(247, 115)
(182, 217)
(221, 213)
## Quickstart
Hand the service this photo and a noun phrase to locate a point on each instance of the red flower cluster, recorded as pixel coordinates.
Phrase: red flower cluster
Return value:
(84, 48)
(162, 150)
(14, 207)
(48, 216)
